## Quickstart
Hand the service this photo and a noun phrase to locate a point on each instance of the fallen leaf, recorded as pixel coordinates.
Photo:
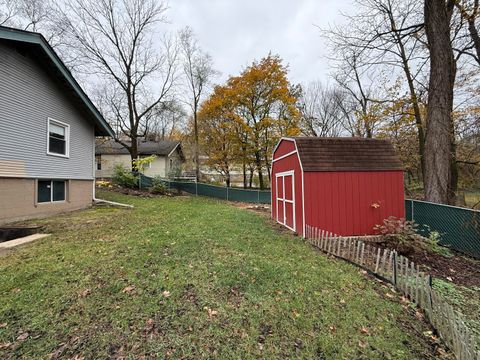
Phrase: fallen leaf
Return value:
(342, 301)
(85, 293)
(389, 295)
(166, 294)
(211, 313)
(333, 329)
(3, 325)
(77, 357)
(23, 336)
(5, 345)
(362, 344)
(449, 278)
(364, 330)
(129, 289)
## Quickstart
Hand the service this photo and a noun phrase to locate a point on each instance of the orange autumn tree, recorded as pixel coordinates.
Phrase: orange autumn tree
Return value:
(259, 106)
(217, 133)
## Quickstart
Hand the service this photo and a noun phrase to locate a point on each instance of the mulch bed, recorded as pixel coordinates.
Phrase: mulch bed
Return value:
(459, 269)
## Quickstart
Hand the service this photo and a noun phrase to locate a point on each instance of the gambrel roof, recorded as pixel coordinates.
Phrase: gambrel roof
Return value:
(346, 154)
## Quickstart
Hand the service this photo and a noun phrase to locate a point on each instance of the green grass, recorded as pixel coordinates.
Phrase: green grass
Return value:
(464, 299)
(209, 280)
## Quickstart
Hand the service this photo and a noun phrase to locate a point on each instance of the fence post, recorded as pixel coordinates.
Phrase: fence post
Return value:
(196, 187)
(258, 197)
(227, 192)
(411, 211)
(395, 268)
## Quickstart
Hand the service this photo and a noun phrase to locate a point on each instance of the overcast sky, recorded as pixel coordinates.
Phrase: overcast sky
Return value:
(235, 32)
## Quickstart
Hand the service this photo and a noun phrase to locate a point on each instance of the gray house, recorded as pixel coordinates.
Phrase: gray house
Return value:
(167, 163)
(47, 131)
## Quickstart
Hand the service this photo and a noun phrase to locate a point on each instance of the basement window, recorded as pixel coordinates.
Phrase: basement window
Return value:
(51, 191)
(58, 139)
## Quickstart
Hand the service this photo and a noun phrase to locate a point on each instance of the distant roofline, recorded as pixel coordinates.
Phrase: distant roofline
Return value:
(113, 147)
(33, 38)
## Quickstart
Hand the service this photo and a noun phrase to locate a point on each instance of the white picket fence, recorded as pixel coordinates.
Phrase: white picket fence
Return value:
(406, 277)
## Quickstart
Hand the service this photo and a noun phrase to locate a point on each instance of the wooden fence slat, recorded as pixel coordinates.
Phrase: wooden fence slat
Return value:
(377, 260)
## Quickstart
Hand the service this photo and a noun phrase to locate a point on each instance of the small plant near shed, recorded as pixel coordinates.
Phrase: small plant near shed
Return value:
(432, 242)
(402, 229)
(124, 177)
(402, 235)
(158, 186)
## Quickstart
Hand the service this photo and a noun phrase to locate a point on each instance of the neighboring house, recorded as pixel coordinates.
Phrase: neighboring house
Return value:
(47, 131)
(168, 161)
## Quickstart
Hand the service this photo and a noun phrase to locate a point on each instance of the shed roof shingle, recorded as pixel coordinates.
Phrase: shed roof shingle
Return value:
(346, 154)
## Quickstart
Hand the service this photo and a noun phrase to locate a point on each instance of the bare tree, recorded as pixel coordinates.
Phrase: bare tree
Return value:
(362, 90)
(470, 12)
(34, 15)
(440, 143)
(389, 34)
(114, 39)
(322, 110)
(9, 11)
(169, 120)
(198, 70)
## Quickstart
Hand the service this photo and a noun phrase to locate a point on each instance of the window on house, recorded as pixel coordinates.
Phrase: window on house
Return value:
(98, 161)
(58, 138)
(51, 190)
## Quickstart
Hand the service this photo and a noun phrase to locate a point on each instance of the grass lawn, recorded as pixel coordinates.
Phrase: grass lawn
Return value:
(189, 277)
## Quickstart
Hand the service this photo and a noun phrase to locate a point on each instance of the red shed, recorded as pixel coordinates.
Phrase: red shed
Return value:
(342, 185)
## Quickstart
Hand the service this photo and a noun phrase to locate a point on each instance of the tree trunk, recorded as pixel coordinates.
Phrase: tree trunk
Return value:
(250, 179)
(474, 35)
(227, 179)
(267, 163)
(258, 163)
(134, 152)
(196, 156)
(244, 169)
(439, 144)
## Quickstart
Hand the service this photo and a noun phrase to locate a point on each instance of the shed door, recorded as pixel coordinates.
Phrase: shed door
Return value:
(285, 185)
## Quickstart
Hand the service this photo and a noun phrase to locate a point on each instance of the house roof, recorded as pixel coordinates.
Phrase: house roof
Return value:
(346, 154)
(145, 147)
(36, 45)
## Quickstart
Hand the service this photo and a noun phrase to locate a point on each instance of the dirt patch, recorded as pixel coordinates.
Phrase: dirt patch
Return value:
(458, 269)
(263, 209)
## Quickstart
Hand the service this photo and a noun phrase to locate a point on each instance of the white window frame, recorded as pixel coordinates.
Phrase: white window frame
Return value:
(65, 184)
(282, 199)
(67, 137)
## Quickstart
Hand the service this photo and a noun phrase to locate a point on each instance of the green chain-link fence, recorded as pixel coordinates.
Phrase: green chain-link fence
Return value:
(459, 228)
(219, 192)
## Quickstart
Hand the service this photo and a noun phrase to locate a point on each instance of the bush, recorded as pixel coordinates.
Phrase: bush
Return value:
(124, 177)
(158, 186)
(433, 244)
(402, 229)
(405, 238)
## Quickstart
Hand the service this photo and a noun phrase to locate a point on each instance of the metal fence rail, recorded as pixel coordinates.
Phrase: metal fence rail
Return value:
(459, 228)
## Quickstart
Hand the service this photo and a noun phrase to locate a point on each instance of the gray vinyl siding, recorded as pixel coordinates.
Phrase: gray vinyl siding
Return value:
(28, 97)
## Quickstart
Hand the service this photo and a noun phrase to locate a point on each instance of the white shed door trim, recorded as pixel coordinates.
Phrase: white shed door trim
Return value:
(280, 177)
